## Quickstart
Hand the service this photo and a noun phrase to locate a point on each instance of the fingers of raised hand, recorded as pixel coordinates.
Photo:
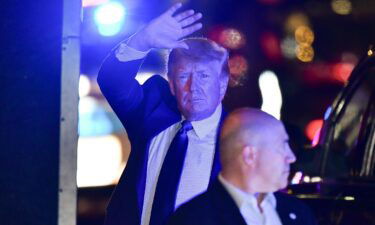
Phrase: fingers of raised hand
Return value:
(183, 15)
(190, 20)
(191, 29)
(173, 9)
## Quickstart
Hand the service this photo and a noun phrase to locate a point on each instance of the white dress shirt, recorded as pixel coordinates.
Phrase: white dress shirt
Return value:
(199, 156)
(248, 206)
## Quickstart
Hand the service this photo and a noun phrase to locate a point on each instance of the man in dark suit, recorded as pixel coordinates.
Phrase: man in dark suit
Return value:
(172, 126)
(255, 157)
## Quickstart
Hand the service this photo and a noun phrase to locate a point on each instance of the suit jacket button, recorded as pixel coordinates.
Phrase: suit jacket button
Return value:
(292, 216)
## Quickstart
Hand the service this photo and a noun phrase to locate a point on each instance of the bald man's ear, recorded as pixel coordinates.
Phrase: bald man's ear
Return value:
(249, 155)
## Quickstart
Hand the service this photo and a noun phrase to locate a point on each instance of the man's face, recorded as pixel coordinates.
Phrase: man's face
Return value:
(197, 87)
(274, 159)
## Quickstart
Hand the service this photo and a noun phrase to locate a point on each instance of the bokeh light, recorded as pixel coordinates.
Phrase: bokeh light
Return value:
(304, 35)
(305, 52)
(296, 20)
(109, 18)
(142, 77)
(270, 45)
(341, 71)
(88, 3)
(271, 93)
(231, 38)
(238, 65)
(99, 161)
(313, 128)
(341, 7)
(238, 68)
(288, 47)
(84, 86)
(297, 178)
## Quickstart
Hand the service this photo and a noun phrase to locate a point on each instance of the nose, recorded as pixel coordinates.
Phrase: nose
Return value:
(193, 82)
(290, 157)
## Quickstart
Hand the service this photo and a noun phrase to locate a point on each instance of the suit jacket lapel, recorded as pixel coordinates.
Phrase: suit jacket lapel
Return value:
(225, 205)
(284, 211)
(166, 116)
(216, 166)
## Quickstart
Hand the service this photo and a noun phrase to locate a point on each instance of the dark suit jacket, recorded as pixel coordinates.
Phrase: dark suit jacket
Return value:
(217, 207)
(145, 111)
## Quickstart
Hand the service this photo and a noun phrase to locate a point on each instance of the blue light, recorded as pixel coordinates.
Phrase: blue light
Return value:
(109, 18)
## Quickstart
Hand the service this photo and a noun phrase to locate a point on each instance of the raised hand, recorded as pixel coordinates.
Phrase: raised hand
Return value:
(167, 30)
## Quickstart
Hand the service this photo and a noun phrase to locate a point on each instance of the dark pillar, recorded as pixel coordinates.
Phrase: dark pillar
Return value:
(31, 65)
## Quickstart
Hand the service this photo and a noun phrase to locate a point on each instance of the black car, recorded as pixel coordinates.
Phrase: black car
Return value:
(339, 180)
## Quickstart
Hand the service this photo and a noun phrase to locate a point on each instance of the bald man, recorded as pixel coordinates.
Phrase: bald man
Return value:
(255, 157)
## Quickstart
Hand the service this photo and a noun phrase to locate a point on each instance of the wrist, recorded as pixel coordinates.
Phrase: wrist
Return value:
(138, 43)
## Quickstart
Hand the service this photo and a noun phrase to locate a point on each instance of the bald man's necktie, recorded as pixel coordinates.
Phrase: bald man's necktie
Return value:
(169, 177)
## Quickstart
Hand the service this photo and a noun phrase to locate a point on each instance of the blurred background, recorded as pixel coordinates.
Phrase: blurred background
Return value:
(290, 58)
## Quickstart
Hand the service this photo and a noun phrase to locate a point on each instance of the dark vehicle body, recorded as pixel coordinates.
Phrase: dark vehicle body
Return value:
(344, 158)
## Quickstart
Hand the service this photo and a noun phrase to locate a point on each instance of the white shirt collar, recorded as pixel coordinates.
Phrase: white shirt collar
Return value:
(240, 197)
(204, 127)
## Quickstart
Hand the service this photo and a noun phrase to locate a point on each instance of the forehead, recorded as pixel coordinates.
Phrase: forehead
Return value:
(275, 133)
(186, 65)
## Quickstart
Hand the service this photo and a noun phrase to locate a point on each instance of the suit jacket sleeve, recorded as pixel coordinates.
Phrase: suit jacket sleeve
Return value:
(117, 83)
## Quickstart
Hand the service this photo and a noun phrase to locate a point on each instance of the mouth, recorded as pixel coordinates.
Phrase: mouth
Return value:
(196, 100)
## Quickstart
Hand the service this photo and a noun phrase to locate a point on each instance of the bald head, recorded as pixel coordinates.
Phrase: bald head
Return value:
(254, 151)
(245, 126)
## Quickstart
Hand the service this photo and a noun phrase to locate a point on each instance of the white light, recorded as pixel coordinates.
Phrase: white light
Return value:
(143, 77)
(316, 179)
(306, 179)
(110, 13)
(109, 18)
(84, 85)
(349, 198)
(288, 46)
(271, 94)
(297, 178)
(99, 161)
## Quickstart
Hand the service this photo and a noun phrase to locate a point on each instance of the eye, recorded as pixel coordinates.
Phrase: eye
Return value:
(183, 76)
(204, 75)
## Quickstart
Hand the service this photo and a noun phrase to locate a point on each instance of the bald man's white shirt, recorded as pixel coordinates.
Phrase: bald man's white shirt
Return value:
(247, 204)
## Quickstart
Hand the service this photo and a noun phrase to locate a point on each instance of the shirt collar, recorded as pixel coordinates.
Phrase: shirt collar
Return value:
(204, 127)
(241, 197)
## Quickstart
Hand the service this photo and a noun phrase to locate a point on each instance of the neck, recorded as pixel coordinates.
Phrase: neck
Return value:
(237, 179)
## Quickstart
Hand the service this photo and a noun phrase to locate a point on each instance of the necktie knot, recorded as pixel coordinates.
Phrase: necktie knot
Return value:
(186, 126)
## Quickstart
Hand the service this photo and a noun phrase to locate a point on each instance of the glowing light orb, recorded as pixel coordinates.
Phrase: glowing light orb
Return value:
(341, 7)
(305, 52)
(232, 38)
(109, 18)
(304, 35)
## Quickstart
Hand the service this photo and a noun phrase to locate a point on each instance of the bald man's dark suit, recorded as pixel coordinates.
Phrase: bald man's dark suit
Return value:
(217, 207)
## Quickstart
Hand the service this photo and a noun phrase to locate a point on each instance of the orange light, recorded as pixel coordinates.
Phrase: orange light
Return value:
(304, 35)
(232, 38)
(313, 128)
(304, 52)
(238, 67)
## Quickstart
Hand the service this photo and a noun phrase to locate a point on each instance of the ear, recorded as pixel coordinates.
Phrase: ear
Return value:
(171, 85)
(249, 155)
(223, 87)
